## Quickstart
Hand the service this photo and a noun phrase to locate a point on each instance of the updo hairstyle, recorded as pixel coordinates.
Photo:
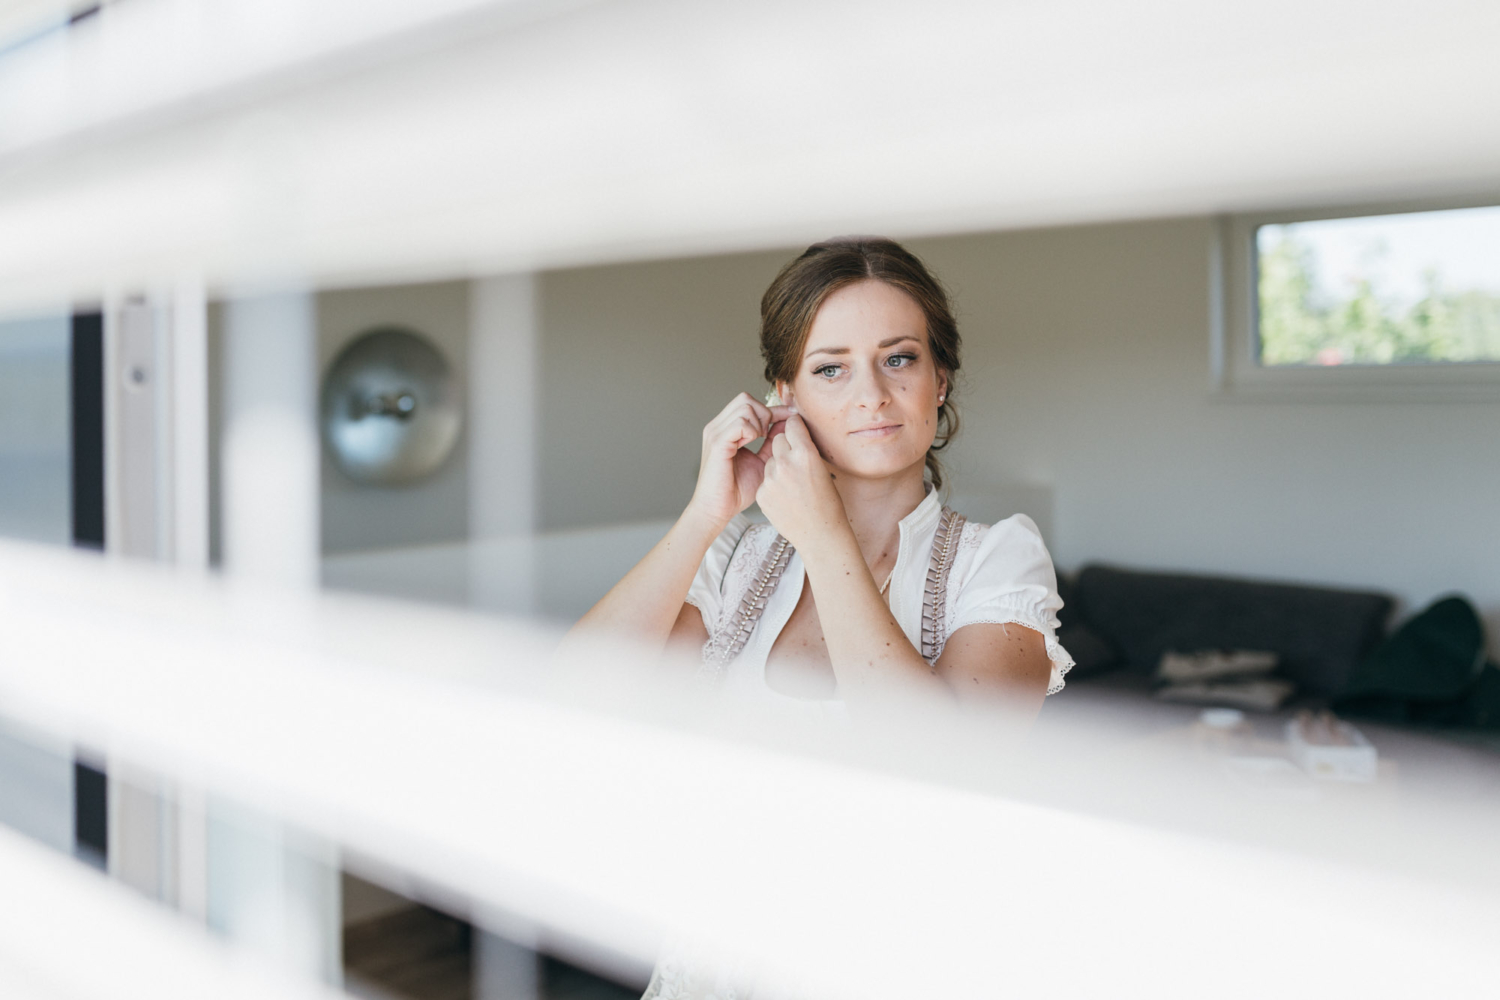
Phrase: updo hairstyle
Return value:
(790, 304)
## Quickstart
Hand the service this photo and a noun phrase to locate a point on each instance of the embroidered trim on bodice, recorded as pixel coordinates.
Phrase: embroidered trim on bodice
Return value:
(744, 563)
(730, 637)
(733, 631)
(935, 591)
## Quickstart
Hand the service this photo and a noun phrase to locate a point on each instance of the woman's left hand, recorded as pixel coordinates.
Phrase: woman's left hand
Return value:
(797, 493)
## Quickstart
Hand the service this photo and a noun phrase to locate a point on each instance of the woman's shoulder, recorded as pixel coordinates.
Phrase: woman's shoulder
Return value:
(1009, 550)
(1004, 574)
(1016, 522)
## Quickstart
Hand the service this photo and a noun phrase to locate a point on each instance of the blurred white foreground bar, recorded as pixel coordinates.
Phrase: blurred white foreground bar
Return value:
(68, 932)
(422, 741)
(402, 139)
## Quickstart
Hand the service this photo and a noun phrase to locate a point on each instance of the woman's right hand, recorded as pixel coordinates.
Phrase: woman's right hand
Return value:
(730, 473)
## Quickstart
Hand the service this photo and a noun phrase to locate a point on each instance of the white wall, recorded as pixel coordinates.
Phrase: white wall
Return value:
(1086, 376)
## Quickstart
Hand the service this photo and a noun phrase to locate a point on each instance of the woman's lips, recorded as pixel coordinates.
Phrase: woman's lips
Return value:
(884, 430)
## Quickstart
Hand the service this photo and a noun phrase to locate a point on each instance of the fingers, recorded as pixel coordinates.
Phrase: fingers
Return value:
(745, 407)
(796, 432)
(757, 410)
(801, 437)
(736, 426)
(767, 415)
(761, 412)
(791, 438)
(768, 469)
(743, 420)
(748, 429)
(729, 418)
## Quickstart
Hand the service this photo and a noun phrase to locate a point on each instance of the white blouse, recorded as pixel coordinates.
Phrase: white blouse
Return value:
(1000, 574)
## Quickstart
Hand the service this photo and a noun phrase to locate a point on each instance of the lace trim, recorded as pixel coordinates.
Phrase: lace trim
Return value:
(714, 615)
(974, 533)
(677, 977)
(1062, 660)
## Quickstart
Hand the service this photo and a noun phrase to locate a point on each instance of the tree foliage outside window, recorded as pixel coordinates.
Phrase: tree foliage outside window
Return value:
(1418, 302)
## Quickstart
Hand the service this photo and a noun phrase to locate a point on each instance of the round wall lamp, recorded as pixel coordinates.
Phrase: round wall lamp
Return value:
(390, 408)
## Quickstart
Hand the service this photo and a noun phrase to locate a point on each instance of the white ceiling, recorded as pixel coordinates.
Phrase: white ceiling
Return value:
(336, 142)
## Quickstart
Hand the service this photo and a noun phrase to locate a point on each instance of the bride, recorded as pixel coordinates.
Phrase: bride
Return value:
(863, 581)
(863, 584)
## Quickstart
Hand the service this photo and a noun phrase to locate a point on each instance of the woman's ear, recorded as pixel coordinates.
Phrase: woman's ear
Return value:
(784, 390)
(942, 387)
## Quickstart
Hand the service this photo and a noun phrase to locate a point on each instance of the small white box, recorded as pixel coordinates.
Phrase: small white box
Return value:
(1327, 747)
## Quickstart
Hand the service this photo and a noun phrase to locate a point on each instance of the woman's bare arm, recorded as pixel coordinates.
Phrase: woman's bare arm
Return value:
(868, 650)
(1006, 663)
(649, 604)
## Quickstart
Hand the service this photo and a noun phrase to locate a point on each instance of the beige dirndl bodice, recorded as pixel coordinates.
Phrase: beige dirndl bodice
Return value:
(729, 638)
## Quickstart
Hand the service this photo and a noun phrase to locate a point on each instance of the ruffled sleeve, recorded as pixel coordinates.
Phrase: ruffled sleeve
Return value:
(707, 590)
(1009, 579)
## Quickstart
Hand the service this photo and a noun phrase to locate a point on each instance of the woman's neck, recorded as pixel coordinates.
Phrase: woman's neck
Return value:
(876, 507)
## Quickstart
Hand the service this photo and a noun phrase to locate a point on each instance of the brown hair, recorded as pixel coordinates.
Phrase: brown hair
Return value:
(789, 305)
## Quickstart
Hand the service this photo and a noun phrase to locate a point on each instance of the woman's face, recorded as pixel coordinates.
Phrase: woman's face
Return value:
(867, 385)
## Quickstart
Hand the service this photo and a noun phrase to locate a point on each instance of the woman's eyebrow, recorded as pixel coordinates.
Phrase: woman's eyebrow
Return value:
(845, 350)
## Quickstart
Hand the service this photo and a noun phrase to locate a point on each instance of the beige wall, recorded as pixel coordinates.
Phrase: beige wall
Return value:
(352, 516)
(634, 360)
(357, 516)
(1086, 372)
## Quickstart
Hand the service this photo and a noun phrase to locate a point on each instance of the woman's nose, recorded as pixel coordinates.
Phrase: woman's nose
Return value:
(871, 391)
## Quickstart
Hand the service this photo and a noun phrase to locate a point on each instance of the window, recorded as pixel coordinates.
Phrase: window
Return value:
(1350, 303)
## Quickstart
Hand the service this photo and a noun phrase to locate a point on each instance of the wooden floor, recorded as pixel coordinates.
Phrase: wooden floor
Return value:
(419, 953)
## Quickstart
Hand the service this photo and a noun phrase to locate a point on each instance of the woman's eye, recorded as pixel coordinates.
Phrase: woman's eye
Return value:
(900, 360)
(827, 371)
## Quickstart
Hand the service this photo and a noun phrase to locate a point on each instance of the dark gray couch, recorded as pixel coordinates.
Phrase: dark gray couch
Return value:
(1123, 620)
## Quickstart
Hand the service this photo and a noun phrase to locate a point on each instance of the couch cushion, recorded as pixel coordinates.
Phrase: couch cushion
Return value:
(1090, 652)
(1321, 634)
